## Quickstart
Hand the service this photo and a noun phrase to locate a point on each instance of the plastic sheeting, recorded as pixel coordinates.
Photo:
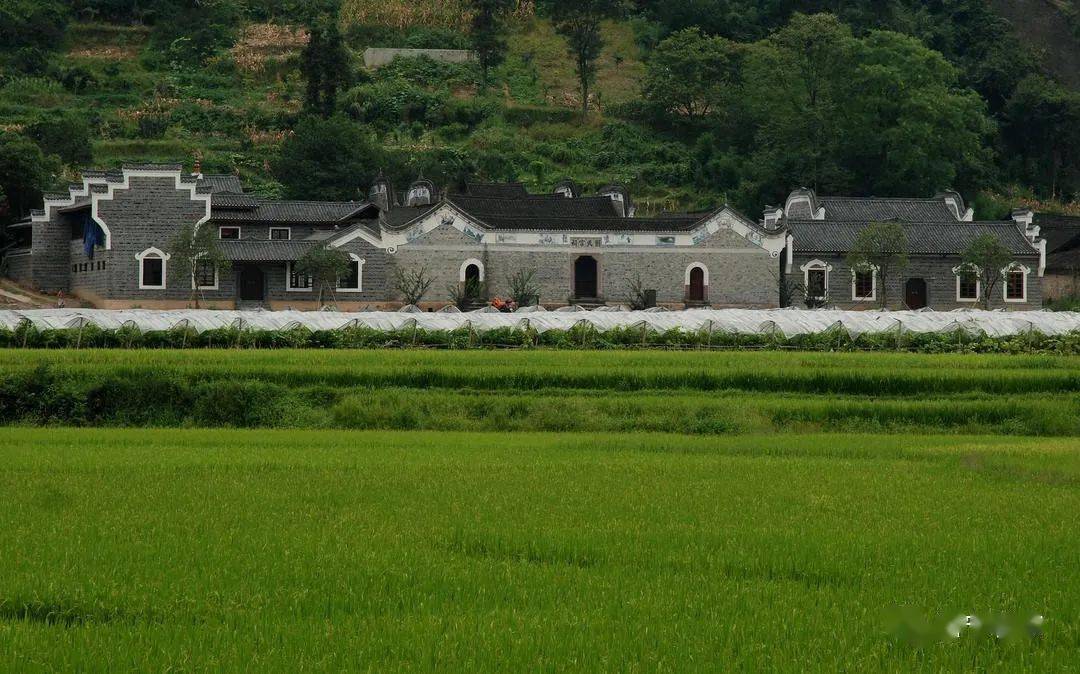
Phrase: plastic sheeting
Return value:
(782, 322)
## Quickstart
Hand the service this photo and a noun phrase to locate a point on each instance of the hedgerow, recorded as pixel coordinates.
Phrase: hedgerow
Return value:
(579, 337)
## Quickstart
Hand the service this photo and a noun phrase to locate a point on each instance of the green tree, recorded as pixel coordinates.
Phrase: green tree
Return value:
(325, 265)
(326, 67)
(32, 23)
(881, 248)
(878, 114)
(25, 172)
(66, 134)
(797, 98)
(330, 159)
(693, 75)
(1042, 133)
(488, 34)
(907, 127)
(986, 257)
(578, 21)
(188, 33)
(192, 251)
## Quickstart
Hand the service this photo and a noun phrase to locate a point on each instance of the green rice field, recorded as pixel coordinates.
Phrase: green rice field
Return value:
(523, 511)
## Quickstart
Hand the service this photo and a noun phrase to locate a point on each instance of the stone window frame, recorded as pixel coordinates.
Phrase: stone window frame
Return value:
(1014, 268)
(195, 277)
(288, 280)
(816, 265)
(239, 232)
(270, 233)
(153, 253)
(359, 262)
(855, 297)
(465, 265)
(968, 269)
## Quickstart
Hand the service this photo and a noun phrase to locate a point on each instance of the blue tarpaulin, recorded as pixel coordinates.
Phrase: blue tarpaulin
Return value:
(92, 236)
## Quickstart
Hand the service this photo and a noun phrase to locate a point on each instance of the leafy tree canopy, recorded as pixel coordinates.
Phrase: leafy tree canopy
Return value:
(25, 172)
(66, 134)
(693, 75)
(333, 159)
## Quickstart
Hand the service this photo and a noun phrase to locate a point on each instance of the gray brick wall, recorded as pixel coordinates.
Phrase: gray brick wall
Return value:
(19, 267)
(147, 215)
(52, 254)
(936, 271)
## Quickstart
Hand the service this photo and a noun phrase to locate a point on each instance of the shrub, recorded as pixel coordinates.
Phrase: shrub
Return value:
(65, 134)
(527, 115)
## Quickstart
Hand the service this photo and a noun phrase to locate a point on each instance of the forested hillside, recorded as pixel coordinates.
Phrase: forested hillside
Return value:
(689, 102)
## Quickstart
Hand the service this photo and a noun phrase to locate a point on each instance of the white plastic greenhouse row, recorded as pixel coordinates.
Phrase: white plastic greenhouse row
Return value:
(786, 322)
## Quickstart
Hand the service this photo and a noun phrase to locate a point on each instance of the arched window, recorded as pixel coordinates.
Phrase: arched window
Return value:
(152, 269)
(697, 282)
(816, 280)
(1014, 285)
(471, 269)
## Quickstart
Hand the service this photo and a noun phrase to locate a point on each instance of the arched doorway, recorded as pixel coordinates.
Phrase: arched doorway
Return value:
(472, 275)
(696, 289)
(915, 293)
(586, 282)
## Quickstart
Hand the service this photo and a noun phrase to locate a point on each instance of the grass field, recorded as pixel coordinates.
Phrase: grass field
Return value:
(749, 535)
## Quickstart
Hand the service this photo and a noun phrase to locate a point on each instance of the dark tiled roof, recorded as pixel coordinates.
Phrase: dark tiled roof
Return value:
(927, 238)
(154, 167)
(263, 250)
(499, 190)
(370, 226)
(1065, 261)
(1062, 232)
(873, 209)
(228, 201)
(222, 183)
(399, 216)
(80, 203)
(542, 206)
(609, 223)
(294, 211)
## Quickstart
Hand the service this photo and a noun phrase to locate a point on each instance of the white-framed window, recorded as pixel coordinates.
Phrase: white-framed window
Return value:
(864, 283)
(280, 233)
(1014, 282)
(354, 281)
(152, 269)
(816, 279)
(478, 272)
(968, 283)
(295, 282)
(228, 232)
(206, 275)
